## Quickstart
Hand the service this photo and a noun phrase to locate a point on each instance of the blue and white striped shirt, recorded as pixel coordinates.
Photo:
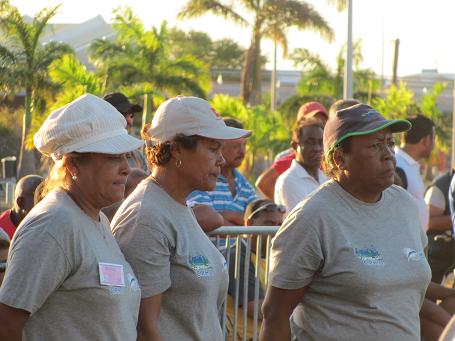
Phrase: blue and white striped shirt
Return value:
(221, 198)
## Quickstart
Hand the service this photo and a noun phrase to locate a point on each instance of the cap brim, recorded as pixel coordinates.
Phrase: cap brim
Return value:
(224, 133)
(113, 145)
(396, 126)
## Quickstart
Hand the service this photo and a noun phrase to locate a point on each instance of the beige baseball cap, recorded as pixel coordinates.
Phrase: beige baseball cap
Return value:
(89, 124)
(190, 116)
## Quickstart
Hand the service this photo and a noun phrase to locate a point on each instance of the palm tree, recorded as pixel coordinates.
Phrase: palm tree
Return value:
(24, 65)
(271, 18)
(141, 61)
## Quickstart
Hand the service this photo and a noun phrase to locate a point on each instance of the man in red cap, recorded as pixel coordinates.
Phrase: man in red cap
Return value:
(266, 181)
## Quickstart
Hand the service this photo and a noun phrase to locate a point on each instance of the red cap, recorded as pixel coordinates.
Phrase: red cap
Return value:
(311, 109)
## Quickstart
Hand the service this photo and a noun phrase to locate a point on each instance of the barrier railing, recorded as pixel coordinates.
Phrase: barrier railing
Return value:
(231, 239)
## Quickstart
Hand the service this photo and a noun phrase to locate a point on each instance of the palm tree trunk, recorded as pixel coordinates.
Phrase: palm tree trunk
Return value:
(245, 82)
(251, 75)
(26, 157)
(256, 90)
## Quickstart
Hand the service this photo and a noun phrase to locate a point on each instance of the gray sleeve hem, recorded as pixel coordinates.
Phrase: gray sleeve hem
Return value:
(30, 309)
(284, 284)
(156, 290)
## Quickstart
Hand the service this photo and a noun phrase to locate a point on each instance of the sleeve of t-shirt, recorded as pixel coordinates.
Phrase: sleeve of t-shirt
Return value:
(435, 197)
(199, 198)
(148, 251)
(296, 254)
(37, 266)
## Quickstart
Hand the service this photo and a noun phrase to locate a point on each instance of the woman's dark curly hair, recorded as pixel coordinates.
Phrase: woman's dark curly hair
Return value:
(160, 154)
(328, 165)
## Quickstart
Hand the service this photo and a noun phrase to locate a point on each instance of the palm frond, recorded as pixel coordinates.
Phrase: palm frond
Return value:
(197, 8)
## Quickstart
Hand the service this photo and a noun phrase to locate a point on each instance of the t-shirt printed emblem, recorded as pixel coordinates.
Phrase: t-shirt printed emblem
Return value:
(413, 255)
(201, 266)
(369, 256)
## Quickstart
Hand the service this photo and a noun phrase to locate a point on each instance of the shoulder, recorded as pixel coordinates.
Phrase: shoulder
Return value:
(56, 214)
(396, 195)
(242, 180)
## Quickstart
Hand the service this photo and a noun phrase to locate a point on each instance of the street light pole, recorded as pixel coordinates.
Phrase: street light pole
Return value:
(347, 89)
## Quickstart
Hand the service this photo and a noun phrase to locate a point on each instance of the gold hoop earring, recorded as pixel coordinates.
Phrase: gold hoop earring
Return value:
(178, 163)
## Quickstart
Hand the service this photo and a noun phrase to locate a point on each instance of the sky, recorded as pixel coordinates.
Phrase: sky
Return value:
(424, 28)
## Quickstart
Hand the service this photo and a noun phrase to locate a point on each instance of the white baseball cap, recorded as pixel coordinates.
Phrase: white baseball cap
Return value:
(190, 116)
(89, 124)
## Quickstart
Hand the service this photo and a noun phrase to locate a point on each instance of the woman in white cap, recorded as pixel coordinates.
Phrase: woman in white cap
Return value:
(66, 277)
(183, 276)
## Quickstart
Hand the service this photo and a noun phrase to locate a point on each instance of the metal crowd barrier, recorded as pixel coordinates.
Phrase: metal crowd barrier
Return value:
(228, 237)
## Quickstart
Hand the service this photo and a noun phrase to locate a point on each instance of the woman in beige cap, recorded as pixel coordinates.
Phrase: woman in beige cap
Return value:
(183, 277)
(66, 277)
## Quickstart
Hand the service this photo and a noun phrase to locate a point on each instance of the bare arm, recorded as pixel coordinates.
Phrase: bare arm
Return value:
(209, 219)
(266, 182)
(276, 310)
(232, 218)
(438, 221)
(12, 322)
(438, 292)
(149, 313)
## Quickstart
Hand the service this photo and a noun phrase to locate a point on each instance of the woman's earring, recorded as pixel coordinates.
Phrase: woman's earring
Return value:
(178, 163)
(74, 177)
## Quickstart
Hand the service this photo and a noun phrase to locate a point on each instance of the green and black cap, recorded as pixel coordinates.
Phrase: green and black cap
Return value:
(359, 119)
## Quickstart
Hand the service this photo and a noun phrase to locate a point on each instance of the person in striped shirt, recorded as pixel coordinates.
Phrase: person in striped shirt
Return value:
(226, 204)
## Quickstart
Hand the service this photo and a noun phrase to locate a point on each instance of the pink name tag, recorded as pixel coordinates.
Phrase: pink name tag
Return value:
(111, 274)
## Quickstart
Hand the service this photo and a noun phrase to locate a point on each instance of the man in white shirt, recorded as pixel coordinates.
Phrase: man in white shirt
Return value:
(304, 175)
(418, 142)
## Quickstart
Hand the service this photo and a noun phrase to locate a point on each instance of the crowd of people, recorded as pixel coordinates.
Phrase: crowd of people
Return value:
(113, 243)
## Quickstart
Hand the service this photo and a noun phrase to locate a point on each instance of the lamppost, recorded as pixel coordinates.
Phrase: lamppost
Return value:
(347, 89)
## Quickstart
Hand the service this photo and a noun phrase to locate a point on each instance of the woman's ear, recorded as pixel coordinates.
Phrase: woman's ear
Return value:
(176, 151)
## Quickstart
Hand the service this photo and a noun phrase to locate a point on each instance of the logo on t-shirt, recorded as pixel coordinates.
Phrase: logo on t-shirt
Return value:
(201, 266)
(369, 256)
(413, 255)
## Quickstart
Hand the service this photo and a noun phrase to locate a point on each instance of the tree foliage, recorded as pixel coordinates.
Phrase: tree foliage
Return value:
(270, 19)
(223, 53)
(142, 61)
(24, 62)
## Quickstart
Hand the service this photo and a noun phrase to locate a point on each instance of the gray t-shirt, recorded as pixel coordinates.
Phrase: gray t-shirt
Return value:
(54, 273)
(363, 266)
(171, 255)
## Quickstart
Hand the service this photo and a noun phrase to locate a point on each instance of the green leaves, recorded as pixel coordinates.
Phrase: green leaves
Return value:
(141, 57)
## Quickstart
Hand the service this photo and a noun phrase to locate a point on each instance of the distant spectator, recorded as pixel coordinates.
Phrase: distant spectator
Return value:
(23, 203)
(417, 145)
(304, 175)
(226, 204)
(136, 158)
(440, 238)
(134, 178)
(266, 181)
